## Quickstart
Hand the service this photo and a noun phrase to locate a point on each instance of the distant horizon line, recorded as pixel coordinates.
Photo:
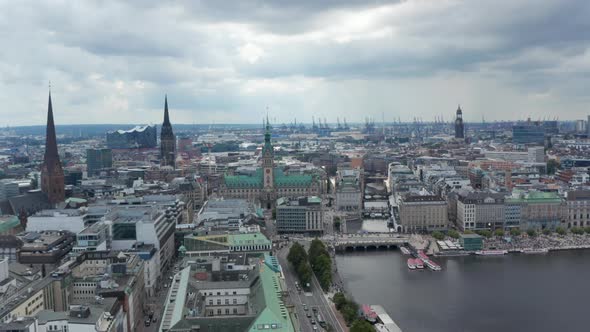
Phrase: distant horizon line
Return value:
(376, 123)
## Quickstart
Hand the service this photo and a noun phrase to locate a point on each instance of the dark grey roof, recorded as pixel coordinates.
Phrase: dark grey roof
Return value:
(31, 202)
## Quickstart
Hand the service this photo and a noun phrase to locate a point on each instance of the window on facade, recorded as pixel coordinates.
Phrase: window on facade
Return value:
(219, 302)
(227, 311)
(235, 301)
(235, 311)
(219, 311)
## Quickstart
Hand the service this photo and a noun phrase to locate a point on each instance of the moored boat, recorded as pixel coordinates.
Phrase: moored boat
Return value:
(432, 265)
(535, 251)
(404, 250)
(422, 255)
(491, 252)
(419, 263)
(368, 314)
(412, 263)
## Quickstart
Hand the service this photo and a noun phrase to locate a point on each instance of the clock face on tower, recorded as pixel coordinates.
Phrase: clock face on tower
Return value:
(267, 171)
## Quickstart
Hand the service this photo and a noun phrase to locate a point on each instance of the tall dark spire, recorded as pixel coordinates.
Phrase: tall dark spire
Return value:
(52, 175)
(50, 140)
(167, 139)
(166, 116)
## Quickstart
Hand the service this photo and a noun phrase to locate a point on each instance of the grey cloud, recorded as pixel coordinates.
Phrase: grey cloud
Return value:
(190, 50)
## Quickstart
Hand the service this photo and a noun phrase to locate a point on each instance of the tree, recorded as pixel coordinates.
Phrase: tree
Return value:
(499, 232)
(485, 233)
(578, 230)
(560, 230)
(531, 232)
(587, 230)
(454, 234)
(350, 312)
(339, 300)
(515, 232)
(321, 263)
(552, 166)
(361, 325)
(546, 231)
(304, 273)
(468, 231)
(296, 254)
(438, 235)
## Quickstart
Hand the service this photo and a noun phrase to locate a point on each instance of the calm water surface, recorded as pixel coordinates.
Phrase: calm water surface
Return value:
(510, 293)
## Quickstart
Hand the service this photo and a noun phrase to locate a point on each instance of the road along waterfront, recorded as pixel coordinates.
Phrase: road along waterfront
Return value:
(506, 293)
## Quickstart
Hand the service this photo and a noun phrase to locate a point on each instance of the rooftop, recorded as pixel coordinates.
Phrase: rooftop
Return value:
(8, 222)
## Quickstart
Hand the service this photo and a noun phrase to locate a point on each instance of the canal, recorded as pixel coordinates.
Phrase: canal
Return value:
(509, 293)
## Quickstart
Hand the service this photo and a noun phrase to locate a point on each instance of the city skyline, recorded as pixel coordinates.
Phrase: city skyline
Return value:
(218, 61)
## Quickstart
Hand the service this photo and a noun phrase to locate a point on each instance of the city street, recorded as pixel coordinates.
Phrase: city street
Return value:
(315, 298)
(157, 303)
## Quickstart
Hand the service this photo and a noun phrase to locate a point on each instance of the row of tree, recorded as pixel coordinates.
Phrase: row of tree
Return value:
(513, 232)
(321, 263)
(350, 311)
(298, 258)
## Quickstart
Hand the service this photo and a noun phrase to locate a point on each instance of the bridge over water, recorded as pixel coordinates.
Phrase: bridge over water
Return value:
(369, 242)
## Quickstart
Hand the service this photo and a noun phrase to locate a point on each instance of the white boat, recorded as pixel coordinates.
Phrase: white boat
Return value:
(432, 265)
(411, 264)
(535, 251)
(491, 252)
(419, 264)
(404, 250)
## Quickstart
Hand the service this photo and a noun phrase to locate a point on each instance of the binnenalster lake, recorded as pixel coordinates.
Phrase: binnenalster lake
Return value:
(537, 293)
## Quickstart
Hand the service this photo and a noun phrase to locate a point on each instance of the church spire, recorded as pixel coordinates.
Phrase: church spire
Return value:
(167, 139)
(52, 176)
(50, 141)
(166, 116)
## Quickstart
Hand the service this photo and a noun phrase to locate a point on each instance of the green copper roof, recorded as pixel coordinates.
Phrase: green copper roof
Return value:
(280, 180)
(240, 239)
(314, 199)
(274, 316)
(247, 239)
(243, 181)
(291, 180)
(537, 197)
(7, 223)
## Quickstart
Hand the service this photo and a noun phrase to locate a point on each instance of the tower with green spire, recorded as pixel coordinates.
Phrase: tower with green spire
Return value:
(268, 158)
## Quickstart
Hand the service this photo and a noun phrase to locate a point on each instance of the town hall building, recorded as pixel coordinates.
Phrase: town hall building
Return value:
(269, 182)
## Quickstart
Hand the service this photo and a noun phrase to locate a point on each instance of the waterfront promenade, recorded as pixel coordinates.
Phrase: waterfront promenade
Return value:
(551, 242)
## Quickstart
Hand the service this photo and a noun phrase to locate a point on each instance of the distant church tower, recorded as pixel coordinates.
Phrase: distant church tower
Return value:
(459, 128)
(268, 167)
(52, 175)
(167, 140)
(268, 159)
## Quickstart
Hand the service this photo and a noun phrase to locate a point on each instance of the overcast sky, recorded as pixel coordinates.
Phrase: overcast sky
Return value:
(228, 61)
